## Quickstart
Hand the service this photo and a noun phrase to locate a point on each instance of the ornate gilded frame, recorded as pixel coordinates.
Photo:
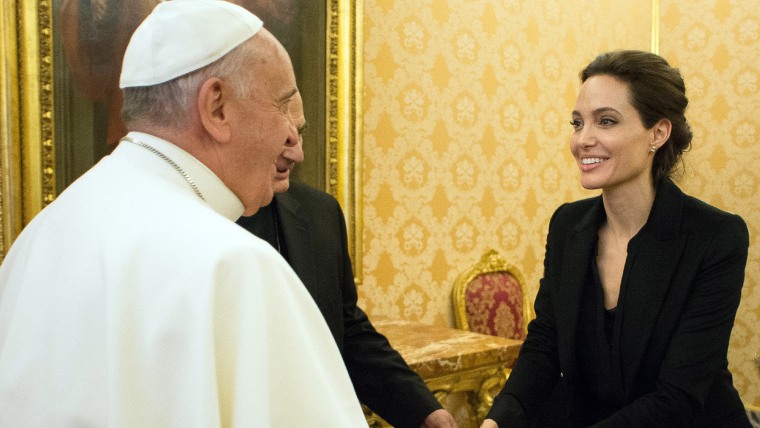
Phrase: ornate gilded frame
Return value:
(344, 117)
(27, 142)
(26, 98)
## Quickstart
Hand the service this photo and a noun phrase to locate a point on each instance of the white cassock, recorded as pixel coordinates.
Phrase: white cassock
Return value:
(130, 302)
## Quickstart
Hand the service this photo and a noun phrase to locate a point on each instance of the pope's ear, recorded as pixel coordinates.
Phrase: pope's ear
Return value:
(214, 99)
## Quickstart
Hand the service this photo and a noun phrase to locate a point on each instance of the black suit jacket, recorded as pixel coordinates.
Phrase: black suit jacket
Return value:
(314, 232)
(682, 285)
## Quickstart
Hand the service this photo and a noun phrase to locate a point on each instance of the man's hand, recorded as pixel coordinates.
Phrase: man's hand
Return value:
(439, 419)
(489, 423)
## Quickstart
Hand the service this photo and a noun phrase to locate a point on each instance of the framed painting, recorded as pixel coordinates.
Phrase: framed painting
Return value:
(60, 112)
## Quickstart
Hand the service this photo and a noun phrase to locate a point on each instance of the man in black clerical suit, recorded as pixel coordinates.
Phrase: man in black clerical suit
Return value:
(307, 227)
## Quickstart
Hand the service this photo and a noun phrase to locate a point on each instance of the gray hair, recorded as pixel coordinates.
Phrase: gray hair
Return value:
(169, 103)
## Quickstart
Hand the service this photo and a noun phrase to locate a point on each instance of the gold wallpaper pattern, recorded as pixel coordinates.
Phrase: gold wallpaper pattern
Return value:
(466, 111)
(716, 44)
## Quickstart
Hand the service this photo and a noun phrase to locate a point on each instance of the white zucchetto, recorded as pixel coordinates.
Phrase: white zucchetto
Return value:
(180, 36)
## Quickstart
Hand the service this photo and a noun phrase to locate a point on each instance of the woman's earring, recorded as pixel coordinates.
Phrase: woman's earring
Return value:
(652, 149)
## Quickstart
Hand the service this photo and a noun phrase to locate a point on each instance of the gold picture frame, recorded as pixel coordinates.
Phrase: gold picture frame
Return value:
(27, 115)
(26, 145)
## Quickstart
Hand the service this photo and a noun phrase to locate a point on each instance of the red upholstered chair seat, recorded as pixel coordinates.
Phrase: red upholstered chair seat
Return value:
(490, 298)
(494, 305)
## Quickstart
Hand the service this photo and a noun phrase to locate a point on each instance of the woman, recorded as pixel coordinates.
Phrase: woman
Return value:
(641, 284)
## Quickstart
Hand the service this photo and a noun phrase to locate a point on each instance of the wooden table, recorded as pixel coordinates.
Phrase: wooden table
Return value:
(452, 361)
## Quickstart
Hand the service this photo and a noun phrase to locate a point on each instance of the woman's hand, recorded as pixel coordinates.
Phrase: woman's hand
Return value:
(489, 423)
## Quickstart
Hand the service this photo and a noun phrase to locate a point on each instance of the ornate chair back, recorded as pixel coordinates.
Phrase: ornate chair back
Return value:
(490, 298)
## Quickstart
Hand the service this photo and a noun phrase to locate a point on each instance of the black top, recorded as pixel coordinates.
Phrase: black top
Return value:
(599, 352)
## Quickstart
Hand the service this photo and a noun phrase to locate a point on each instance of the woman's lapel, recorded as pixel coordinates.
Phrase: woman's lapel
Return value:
(577, 253)
(653, 258)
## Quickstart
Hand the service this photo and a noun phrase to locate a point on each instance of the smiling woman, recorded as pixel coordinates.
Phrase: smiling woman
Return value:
(62, 101)
(611, 146)
(669, 265)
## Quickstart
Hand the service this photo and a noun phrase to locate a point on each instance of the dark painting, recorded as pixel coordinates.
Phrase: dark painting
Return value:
(90, 37)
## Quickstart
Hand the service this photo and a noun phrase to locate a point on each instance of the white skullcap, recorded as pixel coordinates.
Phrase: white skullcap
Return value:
(180, 36)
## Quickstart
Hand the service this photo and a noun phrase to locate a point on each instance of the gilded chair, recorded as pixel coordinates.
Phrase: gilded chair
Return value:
(490, 298)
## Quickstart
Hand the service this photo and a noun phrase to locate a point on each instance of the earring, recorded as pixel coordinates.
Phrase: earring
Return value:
(652, 148)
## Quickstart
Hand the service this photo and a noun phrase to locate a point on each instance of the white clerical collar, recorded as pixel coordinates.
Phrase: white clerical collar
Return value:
(205, 182)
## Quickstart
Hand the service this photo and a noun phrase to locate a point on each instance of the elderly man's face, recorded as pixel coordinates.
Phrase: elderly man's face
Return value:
(293, 153)
(262, 126)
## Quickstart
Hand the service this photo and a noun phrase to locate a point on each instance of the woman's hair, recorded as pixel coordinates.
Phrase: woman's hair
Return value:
(656, 91)
(169, 103)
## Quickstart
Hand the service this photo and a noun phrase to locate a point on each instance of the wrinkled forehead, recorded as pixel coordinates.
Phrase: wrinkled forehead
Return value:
(271, 68)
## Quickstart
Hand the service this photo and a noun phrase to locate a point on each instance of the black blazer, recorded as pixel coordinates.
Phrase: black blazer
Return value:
(314, 232)
(682, 285)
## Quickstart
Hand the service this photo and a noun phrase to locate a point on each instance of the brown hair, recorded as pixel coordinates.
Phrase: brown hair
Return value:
(657, 91)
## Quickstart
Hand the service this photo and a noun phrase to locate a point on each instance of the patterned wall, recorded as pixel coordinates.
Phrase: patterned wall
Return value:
(716, 44)
(466, 110)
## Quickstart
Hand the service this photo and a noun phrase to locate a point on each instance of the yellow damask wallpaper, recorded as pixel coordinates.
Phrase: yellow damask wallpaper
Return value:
(466, 111)
(716, 44)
